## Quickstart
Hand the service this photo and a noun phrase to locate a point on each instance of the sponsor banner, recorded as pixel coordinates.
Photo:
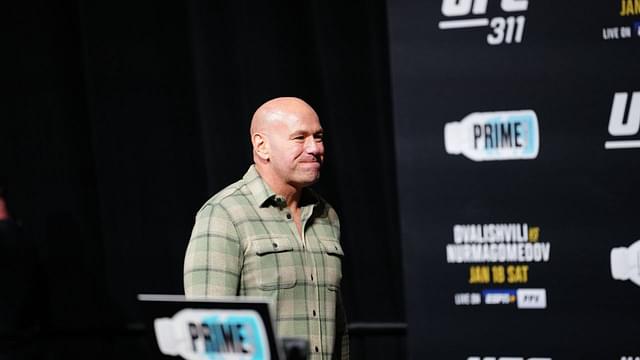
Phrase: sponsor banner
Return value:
(517, 176)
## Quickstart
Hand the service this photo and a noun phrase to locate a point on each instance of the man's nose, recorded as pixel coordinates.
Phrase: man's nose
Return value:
(313, 146)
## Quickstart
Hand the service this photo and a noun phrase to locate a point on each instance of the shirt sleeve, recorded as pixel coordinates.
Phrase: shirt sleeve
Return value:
(212, 261)
(341, 349)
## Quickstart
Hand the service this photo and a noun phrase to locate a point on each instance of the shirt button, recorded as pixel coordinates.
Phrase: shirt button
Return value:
(311, 277)
(317, 350)
(275, 245)
(314, 313)
(289, 216)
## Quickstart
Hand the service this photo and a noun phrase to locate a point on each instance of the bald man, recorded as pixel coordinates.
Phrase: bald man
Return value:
(270, 235)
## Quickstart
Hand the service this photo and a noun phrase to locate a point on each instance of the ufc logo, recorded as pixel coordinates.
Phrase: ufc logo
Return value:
(479, 7)
(617, 124)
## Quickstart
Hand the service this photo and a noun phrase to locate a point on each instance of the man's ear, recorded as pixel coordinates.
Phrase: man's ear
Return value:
(260, 146)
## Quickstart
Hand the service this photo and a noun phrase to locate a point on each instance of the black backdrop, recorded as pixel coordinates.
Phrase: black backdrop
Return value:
(122, 118)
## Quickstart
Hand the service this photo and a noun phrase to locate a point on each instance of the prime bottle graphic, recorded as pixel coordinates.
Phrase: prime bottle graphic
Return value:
(625, 263)
(204, 334)
(501, 135)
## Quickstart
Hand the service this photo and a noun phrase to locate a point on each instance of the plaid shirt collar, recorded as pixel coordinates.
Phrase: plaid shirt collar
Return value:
(265, 197)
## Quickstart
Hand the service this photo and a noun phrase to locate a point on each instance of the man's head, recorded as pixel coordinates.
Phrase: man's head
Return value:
(287, 143)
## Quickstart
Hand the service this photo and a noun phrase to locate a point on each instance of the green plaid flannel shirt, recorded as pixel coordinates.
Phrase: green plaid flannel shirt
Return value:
(245, 242)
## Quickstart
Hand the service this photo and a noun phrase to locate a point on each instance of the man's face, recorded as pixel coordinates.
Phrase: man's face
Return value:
(296, 148)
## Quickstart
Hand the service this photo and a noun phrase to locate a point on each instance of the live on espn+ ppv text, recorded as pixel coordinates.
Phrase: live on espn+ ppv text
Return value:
(518, 144)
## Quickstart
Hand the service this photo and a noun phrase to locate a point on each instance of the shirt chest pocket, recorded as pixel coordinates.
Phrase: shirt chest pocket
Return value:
(333, 254)
(273, 264)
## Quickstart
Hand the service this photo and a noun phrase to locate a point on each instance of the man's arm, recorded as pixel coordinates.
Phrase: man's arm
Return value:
(341, 350)
(212, 263)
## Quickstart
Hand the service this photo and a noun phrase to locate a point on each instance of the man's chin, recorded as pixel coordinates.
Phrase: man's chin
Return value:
(308, 180)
